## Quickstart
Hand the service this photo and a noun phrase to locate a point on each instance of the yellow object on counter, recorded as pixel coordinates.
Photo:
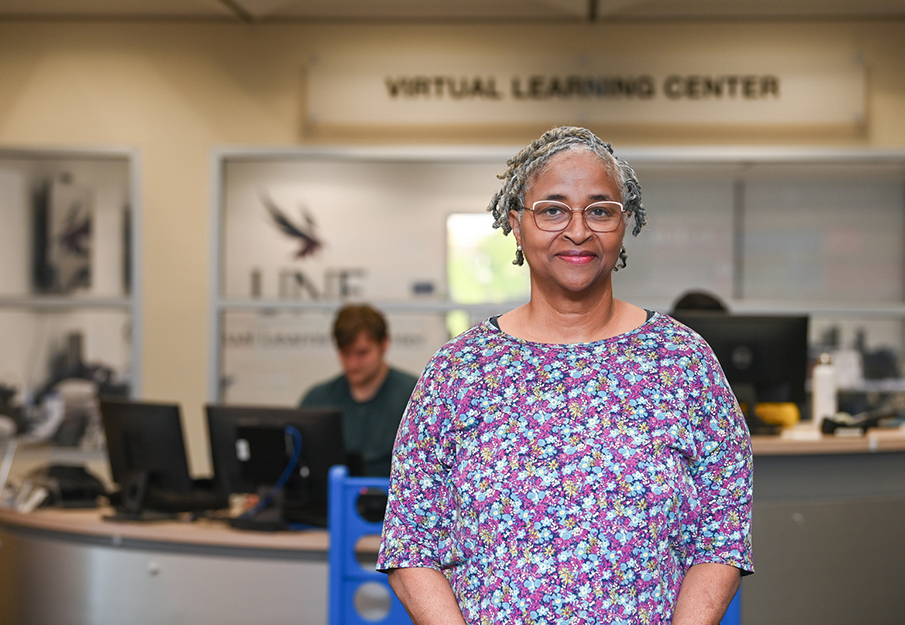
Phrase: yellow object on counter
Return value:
(785, 414)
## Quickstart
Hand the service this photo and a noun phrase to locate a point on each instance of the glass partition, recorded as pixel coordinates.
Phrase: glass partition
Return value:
(300, 232)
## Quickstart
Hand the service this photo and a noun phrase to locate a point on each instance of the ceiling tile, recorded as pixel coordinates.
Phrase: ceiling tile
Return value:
(115, 8)
(490, 10)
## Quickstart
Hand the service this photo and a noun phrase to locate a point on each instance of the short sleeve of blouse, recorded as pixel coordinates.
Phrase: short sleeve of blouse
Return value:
(417, 524)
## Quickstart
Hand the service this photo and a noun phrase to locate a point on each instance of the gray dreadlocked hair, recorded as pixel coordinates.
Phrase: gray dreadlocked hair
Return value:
(531, 161)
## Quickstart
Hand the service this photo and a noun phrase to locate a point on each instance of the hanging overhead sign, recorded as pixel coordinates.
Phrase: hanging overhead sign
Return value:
(727, 91)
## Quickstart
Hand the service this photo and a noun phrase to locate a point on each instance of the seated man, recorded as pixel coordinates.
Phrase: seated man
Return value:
(371, 394)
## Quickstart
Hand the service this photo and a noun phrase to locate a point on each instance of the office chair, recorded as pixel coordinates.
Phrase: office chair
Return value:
(358, 596)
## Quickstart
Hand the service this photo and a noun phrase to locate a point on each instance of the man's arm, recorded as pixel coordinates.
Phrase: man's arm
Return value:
(706, 592)
(426, 595)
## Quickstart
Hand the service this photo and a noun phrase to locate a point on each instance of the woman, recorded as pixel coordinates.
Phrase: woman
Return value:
(577, 459)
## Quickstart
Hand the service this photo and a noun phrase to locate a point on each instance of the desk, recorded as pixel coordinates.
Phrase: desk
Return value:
(828, 531)
(829, 538)
(72, 568)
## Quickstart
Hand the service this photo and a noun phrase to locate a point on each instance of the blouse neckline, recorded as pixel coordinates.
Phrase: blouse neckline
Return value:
(495, 324)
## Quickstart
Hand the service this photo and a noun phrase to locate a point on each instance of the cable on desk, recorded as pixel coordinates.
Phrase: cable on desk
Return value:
(267, 499)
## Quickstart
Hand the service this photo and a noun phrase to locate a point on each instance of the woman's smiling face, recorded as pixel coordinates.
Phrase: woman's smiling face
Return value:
(575, 259)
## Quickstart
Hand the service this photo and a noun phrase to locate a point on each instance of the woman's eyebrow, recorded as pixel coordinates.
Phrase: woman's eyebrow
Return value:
(597, 197)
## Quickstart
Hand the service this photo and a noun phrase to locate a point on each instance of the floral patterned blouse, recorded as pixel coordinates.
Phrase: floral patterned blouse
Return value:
(570, 483)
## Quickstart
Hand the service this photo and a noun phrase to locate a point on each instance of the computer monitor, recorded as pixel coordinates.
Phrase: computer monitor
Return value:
(240, 434)
(764, 357)
(147, 458)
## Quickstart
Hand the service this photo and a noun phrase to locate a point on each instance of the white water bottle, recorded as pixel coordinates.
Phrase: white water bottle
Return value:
(823, 391)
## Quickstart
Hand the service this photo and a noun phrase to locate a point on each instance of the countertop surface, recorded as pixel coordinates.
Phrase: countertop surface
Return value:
(874, 441)
(200, 532)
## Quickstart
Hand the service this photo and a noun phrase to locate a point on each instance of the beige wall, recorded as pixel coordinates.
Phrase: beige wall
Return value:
(176, 91)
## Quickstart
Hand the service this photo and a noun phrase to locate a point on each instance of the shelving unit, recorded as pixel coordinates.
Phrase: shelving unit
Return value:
(94, 192)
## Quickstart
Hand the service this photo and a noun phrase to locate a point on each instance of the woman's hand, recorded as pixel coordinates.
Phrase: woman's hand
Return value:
(426, 595)
(705, 594)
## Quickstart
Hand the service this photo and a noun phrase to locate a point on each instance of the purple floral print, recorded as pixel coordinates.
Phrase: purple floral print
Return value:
(570, 483)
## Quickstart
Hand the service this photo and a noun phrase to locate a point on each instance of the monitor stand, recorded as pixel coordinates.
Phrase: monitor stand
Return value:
(139, 500)
(132, 505)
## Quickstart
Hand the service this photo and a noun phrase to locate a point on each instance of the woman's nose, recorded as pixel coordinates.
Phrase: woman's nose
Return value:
(577, 230)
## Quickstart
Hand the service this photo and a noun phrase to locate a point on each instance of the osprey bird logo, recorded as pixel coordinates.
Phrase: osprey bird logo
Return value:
(304, 231)
(76, 231)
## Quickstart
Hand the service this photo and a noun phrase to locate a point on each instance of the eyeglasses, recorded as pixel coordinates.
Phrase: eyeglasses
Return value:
(553, 216)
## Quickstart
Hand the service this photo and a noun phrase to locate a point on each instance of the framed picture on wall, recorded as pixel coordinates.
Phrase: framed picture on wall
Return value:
(63, 225)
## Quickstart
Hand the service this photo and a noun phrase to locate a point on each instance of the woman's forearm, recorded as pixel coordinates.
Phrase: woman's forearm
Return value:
(426, 595)
(705, 594)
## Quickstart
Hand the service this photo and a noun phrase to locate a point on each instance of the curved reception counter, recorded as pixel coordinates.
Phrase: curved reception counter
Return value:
(73, 568)
(828, 531)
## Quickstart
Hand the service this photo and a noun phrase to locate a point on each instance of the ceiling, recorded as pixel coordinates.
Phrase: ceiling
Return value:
(449, 10)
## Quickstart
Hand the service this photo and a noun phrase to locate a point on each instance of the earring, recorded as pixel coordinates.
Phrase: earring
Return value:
(623, 259)
(519, 256)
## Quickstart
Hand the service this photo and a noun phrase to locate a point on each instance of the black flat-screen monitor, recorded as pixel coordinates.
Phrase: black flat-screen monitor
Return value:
(239, 435)
(147, 458)
(764, 357)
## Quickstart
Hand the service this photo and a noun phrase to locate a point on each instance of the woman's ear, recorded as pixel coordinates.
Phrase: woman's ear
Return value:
(516, 225)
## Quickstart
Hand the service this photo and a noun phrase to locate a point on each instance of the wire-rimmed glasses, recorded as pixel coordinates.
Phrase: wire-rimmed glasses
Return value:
(553, 216)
